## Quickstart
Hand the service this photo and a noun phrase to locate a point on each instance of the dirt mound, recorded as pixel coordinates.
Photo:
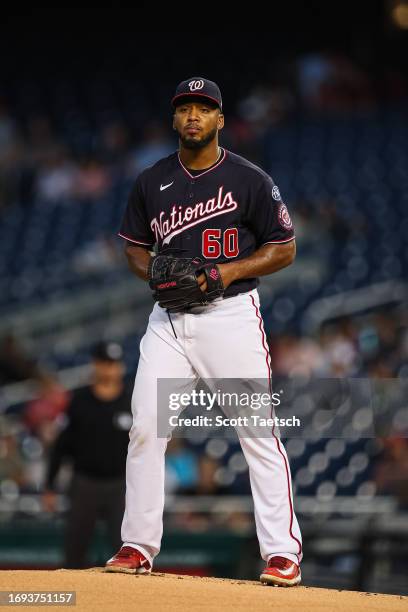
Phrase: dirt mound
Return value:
(103, 592)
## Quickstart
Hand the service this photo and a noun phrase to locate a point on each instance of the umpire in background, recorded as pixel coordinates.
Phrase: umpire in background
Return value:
(95, 440)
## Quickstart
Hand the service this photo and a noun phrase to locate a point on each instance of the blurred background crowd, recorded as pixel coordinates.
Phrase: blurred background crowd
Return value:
(328, 119)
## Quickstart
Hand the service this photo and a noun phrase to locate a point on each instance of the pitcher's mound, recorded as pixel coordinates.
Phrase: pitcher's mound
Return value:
(97, 591)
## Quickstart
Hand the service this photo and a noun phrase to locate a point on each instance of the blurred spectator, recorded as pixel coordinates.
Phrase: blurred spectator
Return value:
(207, 481)
(293, 356)
(41, 414)
(334, 224)
(40, 146)
(238, 134)
(391, 474)
(333, 83)
(114, 143)
(155, 145)
(100, 255)
(372, 344)
(387, 331)
(266, 106)
(15, 365)
(348, 87)
(9, 138)
(41, 143)
(339, 352)
(12, 466)
(56, 176)
(314, 70)
(378, 368)
(181, 467)
(11, 153)
(95, 440)
(92, 181)
(309, 227)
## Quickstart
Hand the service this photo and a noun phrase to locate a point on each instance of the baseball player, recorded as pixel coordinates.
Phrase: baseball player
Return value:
(218, 223)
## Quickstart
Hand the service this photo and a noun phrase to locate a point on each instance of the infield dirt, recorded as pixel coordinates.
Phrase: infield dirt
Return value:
(97, 591)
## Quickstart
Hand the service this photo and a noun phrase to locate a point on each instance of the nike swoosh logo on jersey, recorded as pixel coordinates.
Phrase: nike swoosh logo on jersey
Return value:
(163, 187)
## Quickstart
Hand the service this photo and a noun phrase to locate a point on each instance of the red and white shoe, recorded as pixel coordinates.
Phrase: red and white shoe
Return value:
(281, 572)
(129, 561)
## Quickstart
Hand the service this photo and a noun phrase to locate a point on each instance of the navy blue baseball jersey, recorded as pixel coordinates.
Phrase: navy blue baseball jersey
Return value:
(219, 214)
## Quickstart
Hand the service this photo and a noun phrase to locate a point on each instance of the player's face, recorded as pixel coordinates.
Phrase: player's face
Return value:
(197, 123)
(107, 372)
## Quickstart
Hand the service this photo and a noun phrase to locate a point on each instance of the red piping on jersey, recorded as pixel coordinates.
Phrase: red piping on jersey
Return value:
(223, 156)
(279, 241)
(136, 241)
(273, 428)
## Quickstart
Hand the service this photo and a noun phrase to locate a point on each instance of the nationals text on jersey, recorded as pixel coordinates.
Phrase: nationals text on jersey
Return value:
(181, 218)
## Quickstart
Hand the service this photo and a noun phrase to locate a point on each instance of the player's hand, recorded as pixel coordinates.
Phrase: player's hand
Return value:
(202, 281)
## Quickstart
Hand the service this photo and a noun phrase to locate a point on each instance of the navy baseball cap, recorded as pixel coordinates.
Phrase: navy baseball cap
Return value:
(197, 87)
(107, 351)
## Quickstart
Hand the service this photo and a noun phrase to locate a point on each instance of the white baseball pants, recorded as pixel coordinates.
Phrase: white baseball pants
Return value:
(226, 340)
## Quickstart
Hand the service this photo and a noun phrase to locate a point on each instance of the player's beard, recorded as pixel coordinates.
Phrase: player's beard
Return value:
(191, 143)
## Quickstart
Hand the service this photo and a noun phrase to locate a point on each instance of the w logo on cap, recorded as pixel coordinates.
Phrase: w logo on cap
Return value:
(195, 85)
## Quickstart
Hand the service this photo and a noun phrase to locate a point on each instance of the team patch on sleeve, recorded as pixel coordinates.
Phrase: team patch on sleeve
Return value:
(284, 217)
(276, 193)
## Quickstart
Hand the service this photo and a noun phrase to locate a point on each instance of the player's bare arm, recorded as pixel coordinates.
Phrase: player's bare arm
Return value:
(266, 260)
(138, 259)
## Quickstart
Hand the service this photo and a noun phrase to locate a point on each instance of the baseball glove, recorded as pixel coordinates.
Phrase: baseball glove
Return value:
(175, 285)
